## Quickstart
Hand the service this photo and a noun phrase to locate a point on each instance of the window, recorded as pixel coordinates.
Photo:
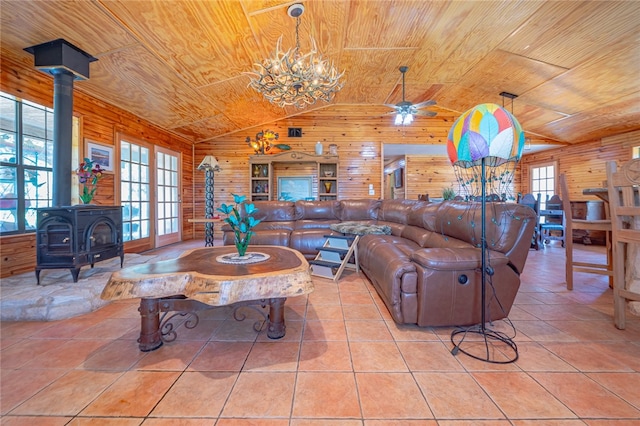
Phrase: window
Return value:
(543, 182)
(135, 191)
(635, 153)
(26, 161)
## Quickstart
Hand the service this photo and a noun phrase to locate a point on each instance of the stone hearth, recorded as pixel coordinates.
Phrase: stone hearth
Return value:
(57, 296)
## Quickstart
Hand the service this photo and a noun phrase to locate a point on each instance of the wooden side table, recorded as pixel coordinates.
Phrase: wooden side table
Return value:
(209, 227)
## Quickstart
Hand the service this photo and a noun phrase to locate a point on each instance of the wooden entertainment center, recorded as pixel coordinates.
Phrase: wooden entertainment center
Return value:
(319, 172)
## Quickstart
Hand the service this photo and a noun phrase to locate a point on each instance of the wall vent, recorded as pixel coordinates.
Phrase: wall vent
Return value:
(295, 132)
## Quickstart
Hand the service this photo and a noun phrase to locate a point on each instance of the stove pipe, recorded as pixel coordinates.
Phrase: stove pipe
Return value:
(65, 63)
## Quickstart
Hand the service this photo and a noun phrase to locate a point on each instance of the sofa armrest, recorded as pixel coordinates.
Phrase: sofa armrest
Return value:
(452, 259)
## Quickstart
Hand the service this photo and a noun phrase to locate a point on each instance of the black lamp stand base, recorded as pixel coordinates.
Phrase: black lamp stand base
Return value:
(492, 346)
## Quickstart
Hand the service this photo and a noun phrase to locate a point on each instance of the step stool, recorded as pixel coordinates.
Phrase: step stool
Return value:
(337, 253)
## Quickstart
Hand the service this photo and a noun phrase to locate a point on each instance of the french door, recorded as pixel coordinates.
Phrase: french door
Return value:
(135, 194)
(168, 212)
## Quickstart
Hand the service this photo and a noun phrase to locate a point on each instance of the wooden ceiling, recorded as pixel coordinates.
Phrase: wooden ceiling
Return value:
(575, 66)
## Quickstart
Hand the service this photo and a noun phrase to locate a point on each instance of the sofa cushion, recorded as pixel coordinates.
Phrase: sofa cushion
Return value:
(314, 210)
(360, 210)
(271, 237)
(272, 211)
(423, 215)
(463, 221)
(276, 224)
(395, 210)
(307, 241)
(448, 259)
(416, 234)
(315, 224)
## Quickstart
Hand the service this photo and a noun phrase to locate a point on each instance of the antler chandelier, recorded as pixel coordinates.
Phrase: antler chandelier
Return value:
(293, 78)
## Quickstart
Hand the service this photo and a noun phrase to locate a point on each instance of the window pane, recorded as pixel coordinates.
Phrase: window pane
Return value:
(9, 128)
(7, 114)
(135, 172)
(8, 147)
(135, 154)
(34, 152)
(125, 171)
(125, 151)
(34, 121)
(535, 173)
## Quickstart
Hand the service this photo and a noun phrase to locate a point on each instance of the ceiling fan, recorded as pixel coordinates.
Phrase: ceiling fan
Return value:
(405, 110)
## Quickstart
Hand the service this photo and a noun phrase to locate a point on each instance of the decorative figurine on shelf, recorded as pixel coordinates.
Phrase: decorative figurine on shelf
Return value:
(264, 142)
(89, 173)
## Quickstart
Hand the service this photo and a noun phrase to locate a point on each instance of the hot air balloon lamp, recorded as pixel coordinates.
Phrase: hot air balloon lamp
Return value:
(485, 138)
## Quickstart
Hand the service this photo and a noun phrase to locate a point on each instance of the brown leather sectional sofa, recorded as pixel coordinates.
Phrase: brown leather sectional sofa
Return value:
(427, 271)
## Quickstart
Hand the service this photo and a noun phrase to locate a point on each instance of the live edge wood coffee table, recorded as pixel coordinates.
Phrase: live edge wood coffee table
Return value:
(197, 281)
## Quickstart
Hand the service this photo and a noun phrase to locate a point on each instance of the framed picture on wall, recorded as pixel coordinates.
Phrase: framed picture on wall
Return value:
(294, 188)
(100, 154)
(398, 177)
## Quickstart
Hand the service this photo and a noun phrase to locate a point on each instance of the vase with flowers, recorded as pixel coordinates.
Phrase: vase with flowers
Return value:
(89, 174)
(240, 219)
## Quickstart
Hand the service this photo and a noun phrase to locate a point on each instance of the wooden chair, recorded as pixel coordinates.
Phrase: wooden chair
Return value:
(589, 225)
(624, 204)
(533, 202)
(552, 228)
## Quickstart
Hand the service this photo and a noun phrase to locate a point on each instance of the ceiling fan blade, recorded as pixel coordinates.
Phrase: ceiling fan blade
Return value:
(426, 113)
(391, 106)
(425, 104)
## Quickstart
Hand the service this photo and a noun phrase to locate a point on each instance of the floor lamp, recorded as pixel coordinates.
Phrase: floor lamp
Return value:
(484, 146)
(209, 164)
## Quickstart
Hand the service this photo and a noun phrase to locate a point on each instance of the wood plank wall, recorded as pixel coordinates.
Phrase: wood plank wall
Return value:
(429, 175)
(583, 164)
(357, 131)
(100, 122)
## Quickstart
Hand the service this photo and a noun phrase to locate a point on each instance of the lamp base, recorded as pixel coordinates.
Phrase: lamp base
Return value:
(484, 345)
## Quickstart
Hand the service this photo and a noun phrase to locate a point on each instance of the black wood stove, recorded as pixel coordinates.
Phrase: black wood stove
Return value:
(75, 236)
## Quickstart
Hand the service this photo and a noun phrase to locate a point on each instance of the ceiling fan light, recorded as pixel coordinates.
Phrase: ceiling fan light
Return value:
(406, 109)
(408, 119)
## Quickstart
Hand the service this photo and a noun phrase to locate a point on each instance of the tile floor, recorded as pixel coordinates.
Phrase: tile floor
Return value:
(342, 362)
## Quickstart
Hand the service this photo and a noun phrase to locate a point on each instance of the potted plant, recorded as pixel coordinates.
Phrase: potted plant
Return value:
(448, 193)
(240, 219)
